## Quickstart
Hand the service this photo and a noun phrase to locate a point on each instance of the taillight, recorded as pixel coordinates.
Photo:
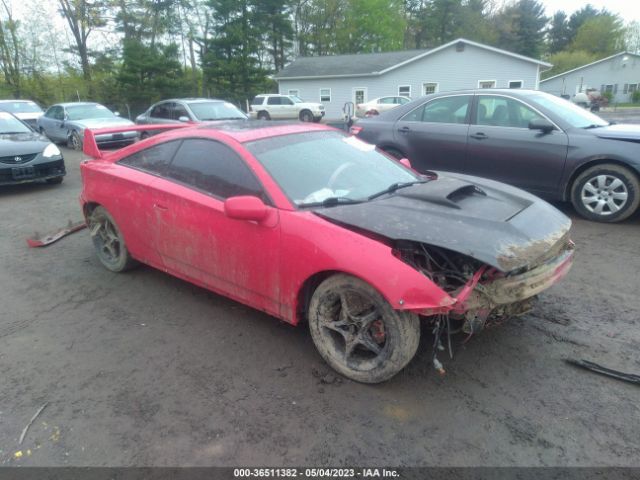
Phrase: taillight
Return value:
(355, 130)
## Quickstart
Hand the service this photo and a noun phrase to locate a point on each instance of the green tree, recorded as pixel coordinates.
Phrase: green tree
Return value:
(567, 60)
(579, 17)
(273, 17)
(521, 26)
(559, 32)
(602, 36)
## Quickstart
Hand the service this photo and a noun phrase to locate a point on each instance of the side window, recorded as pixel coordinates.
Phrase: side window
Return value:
(154, 159)
(51, 112)
(286, 101)
(162, 110)
(179, 111)
(503, 112)
(386, 100)
(273, 101)
(257, 101)
(442, 110)
(214, 168)
(59, 113)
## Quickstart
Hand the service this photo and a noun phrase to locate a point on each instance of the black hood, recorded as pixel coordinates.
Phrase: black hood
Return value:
(22, 143)
(494, 223)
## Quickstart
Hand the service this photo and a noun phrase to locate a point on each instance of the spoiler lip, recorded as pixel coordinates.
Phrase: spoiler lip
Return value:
(90, 146)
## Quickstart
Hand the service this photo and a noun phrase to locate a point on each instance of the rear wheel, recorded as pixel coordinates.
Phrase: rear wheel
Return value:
(606, 193)
(306, 116)
(264, 116)
(358, 333)
(108, 241)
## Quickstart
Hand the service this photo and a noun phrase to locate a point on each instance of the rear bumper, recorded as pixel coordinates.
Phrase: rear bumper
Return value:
(31, 173)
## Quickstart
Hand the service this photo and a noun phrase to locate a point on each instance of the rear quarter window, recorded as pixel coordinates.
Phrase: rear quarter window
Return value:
(257, 101)
(154, 159)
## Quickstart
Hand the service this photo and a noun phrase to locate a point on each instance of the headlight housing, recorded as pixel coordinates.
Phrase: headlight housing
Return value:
(51, 151)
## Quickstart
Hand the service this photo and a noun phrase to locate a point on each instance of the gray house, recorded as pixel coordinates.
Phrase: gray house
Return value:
(460, 64)
(618, 74)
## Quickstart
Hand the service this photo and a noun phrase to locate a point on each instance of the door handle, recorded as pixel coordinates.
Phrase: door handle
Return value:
(404, 130)
(479, 136)
(159, 207)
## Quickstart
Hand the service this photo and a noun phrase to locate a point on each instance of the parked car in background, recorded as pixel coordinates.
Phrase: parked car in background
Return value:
(27, 156)
(189, 110)
(379, 105)
(280, 107)
(530, 139)
(311, 225)
(66, 122)
(25, 110)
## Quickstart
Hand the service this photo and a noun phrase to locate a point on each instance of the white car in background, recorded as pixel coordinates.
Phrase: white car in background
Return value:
(25, 110)
(379, 105)
(279, 107)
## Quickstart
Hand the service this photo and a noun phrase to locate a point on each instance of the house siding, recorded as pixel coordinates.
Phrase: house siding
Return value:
(450, 69)
(616, 72)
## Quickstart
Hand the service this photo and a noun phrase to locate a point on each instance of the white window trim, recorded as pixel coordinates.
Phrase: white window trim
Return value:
(320, 95)
(437, 84)
(404, 86)
(511, 81)
(297, 90)
(366, 94)
(495, 82)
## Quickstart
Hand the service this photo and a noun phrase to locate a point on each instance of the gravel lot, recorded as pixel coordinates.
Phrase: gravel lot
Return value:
(144, 369)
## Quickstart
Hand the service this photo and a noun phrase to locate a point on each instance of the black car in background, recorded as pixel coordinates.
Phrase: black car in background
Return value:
(529, 139)
(27, 156)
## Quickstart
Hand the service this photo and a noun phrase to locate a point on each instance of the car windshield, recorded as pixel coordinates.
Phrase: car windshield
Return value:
(20, 107)
(571, 113)
(296, 99)
(81, 112)
(316, 167)
(10, 124)
(205, 111)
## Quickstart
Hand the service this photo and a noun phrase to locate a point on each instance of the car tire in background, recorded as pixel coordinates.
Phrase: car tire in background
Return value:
(108, 241)
(358, 333)
(306, 116)
(606, 193)
(264, 116)
(74, 141)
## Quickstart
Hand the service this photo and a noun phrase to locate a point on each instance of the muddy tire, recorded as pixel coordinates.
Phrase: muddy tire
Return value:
(74, 141)
(358, 333)
(264, 116)
(109, 242)
(606, 193)
(306, 116)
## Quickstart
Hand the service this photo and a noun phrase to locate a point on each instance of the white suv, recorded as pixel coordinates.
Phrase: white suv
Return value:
(273, 106)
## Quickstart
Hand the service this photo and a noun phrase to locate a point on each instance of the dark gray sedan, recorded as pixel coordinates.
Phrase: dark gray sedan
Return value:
(25, 155)
(530, 139)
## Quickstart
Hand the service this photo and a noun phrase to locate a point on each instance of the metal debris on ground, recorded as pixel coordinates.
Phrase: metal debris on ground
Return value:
(594, 367)
(24, 431)
(42, 241)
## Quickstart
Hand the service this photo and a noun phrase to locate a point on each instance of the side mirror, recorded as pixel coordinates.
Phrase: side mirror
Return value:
(245, 207)
(183, 119)
(406, 163)
(542, 124)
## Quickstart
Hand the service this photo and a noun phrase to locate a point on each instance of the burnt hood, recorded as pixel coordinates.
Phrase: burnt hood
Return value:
(494, 223)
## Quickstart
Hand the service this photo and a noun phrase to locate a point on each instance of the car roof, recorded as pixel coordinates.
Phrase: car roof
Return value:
(21, 100)
(472, 91)
(192, 100)
(74, 104)
(250, 130)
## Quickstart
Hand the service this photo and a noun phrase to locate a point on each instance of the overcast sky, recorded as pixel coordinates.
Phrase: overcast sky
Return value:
(629, 10)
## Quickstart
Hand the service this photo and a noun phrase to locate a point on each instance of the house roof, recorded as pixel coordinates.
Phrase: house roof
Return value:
(369, 64)
(589, 64)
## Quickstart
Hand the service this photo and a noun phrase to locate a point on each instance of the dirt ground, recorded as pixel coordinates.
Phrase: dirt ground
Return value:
(144, 369)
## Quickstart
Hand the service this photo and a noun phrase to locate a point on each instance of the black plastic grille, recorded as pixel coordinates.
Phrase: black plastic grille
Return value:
(17, 159)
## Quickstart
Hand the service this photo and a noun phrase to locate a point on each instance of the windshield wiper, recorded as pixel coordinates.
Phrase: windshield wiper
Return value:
(331, 202)
(395, 186)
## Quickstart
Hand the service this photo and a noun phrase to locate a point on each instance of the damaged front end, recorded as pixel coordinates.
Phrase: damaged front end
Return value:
(482, 294)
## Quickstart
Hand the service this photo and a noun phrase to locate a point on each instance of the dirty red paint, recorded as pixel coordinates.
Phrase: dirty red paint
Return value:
(263, 263)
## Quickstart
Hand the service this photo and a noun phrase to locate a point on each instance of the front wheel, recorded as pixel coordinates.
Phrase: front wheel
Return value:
(606, 193)
(75, 141)
(306, 116)
(358, 333)
(108, 241)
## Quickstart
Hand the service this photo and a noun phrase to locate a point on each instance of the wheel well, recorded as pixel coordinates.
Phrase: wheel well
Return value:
(261, 112)
(306, 292)
(305, 110)
(600, 161)
(88, 208)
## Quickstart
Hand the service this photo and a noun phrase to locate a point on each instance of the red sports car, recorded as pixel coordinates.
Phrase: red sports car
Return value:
(308, 224)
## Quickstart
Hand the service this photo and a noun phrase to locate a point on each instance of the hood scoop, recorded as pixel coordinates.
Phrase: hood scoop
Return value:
(445, 191)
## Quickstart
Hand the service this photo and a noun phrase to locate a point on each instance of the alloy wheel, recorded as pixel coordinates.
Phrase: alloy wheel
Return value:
(604, 194)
